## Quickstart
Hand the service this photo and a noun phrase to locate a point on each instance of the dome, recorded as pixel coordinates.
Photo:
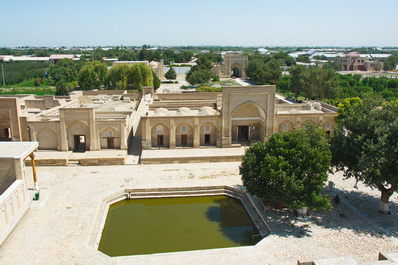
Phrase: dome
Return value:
(153, 64)
(317, 106)
(184, 111)
(206, 111)
(161, 112)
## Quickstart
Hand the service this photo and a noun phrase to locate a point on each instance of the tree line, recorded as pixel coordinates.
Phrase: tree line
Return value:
(17, 72)
(67, 75)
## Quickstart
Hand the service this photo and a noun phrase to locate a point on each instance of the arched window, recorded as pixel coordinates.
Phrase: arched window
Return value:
(183, 129)
(159, 129)
(285, 127)
(207, 128)
(328, 125)
(110, 134)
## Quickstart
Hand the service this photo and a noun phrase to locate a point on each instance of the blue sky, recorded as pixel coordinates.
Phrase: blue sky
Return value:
(200, 22)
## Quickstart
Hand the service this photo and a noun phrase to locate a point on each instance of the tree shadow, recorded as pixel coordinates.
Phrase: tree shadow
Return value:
(358, 211)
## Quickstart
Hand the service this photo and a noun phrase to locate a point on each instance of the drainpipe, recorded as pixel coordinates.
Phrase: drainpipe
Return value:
(32, 157)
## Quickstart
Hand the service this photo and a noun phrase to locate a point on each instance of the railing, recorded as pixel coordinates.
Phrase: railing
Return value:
(14, 202)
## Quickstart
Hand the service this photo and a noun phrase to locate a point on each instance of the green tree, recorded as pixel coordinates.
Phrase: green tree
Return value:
(200, 76)
(377, 67)
(38, 81)
(62, 88)
(118, 75)
(303, 59)
(171, 74)
(290, 168)
(200, 73)
(298, 84)
(365, 145)
(66, 70)
(156, 81)
(92, 75)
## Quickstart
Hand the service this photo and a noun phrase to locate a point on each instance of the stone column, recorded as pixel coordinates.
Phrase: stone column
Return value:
(94, 138)
(172, 134)
(63, 140)
(196, 133)
(146, 140)
(123, 140)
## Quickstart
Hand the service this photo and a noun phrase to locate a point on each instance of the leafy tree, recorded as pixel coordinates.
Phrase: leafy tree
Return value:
(377, 66)
(297, 73)
(200, 76)
(264, 72)
(290, 168)
(156, 81)
(365, 144)
(118, 75)
(66, 70)
(332, 65)
(171, 74)
(391, 63)
(62, 88)
(38, 81)
(303, 59)
(92, 75)
(200, 73)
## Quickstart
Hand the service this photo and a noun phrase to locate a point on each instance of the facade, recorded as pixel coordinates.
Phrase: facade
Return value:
(237, 116)
(234, 65)
(103, 120)
(83, 121)
(356, 62)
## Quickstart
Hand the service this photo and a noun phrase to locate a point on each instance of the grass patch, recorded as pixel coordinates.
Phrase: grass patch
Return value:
(223, 83)
(32, 90)
(29, 84)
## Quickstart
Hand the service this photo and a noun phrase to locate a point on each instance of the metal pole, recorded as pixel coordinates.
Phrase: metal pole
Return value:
(2, 70)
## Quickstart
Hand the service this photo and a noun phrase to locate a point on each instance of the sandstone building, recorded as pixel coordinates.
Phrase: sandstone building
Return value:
(234, 65)
(108, 119)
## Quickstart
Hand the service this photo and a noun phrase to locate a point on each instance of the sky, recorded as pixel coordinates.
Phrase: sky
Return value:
(198, 22)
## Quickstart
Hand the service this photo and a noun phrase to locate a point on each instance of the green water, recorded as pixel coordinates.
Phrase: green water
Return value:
(146, 226)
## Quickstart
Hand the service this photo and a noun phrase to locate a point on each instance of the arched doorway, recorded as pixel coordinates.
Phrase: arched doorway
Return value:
(248, 121)
(236, 72)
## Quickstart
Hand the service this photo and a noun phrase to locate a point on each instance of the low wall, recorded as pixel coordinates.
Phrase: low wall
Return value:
(187, 96)
(14, 203)
(179, 160)
(105, 161)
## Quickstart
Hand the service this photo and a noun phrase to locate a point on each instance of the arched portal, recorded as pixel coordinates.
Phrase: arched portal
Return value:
(236, 70)
(248, 121)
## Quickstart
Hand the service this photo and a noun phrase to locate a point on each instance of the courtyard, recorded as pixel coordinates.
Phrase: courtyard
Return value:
(59, 227)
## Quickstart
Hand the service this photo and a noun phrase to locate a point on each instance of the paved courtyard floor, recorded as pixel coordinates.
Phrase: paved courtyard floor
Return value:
(58, 228)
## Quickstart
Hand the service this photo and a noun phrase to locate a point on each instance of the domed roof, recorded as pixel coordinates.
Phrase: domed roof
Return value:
(161, 112)
(206, 111)
(184, 111)
(153, 64)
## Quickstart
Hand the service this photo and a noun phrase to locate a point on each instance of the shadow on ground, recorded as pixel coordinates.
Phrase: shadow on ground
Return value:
(356, 211)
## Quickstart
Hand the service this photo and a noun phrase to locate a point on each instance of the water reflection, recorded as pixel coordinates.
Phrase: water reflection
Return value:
(145, 226)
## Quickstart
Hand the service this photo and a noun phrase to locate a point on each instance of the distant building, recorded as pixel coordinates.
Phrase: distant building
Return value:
(54, 58)
(234, 64)
(356, 62)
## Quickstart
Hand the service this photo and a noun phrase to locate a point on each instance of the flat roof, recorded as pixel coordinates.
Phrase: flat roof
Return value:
(17, 150)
